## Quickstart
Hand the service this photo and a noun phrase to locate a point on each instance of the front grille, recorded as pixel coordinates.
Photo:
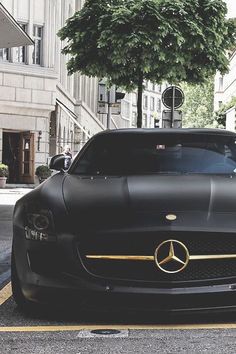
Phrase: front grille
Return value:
(146, 243)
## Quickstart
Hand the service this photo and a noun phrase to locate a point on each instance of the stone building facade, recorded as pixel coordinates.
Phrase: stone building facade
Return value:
(42, 109)
(152, 105)
(225, 86)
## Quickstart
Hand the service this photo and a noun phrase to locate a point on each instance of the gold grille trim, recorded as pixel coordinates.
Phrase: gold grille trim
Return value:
(122, 258)
(151, 258)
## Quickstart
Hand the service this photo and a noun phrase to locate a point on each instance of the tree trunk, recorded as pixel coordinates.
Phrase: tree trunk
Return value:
(139, 102)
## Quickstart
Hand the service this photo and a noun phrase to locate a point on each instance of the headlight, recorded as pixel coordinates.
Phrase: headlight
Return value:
(34, 235)
(39, 226)
(40, 222)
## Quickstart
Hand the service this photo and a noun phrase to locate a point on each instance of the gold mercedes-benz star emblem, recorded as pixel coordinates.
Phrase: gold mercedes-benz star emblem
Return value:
(171, 256)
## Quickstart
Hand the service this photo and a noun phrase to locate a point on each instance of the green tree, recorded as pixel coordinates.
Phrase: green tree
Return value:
(198, 108)
(129, 41)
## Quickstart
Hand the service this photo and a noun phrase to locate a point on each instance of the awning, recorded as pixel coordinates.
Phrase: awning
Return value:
(11, 34)
(73, 117)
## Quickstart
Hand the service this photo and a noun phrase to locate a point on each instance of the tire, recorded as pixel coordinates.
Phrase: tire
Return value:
(23, 304)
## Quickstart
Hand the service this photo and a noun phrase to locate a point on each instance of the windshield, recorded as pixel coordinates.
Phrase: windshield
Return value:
(132, 154)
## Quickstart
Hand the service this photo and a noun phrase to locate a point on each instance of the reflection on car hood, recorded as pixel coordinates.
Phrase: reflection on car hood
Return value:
(198, 201)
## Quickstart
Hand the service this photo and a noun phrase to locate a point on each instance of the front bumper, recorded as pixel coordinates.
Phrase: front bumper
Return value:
(84, 289)
(91, 295)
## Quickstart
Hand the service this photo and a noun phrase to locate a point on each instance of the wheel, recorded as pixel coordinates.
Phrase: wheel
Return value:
(22, 303)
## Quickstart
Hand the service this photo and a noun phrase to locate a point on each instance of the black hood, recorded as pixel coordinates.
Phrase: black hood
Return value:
(198, 201)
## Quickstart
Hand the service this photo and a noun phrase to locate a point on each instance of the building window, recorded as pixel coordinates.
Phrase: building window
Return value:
(151, 121)
(134, 119)
(145, 102)
(152, 103)
(221, 83)
(38, 37)
(70, 11)
(134, 99)
(21, 51)
(4, 54)
(125, 109)
(158, 105)
(220, 104)
(153, 86)
(158, 88)
(155, 121)
(20, 55)
(144, 120)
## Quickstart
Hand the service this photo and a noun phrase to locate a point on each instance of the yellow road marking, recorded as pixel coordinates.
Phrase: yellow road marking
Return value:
(5, 293)
(119, 327)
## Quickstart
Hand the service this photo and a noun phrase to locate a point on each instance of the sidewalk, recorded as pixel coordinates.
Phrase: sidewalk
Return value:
(10, 186)
(9, 196)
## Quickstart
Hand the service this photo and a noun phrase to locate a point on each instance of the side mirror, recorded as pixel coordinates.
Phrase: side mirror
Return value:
(57, 162)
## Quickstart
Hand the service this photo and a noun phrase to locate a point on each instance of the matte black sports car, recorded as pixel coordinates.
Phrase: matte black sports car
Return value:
(142, 218)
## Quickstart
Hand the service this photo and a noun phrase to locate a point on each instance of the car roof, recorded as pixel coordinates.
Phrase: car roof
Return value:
(138, 131)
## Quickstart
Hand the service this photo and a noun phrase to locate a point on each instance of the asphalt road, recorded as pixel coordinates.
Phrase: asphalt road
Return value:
(68, 331)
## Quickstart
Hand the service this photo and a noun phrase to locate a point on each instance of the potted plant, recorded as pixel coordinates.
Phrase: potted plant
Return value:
(3, 175)
(43, 172)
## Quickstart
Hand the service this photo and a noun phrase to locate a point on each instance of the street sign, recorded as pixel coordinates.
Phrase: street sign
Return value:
(173, 96)
(102, 91)
(115, 108)
(167, 119)
(102, 108)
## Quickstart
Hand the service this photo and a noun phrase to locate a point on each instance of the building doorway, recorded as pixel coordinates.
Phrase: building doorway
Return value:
(53, 134)
(10, 155)
(18, 154)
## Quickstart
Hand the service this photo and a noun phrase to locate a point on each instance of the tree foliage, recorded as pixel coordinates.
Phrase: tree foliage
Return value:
(128, 41)
(198, 108)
